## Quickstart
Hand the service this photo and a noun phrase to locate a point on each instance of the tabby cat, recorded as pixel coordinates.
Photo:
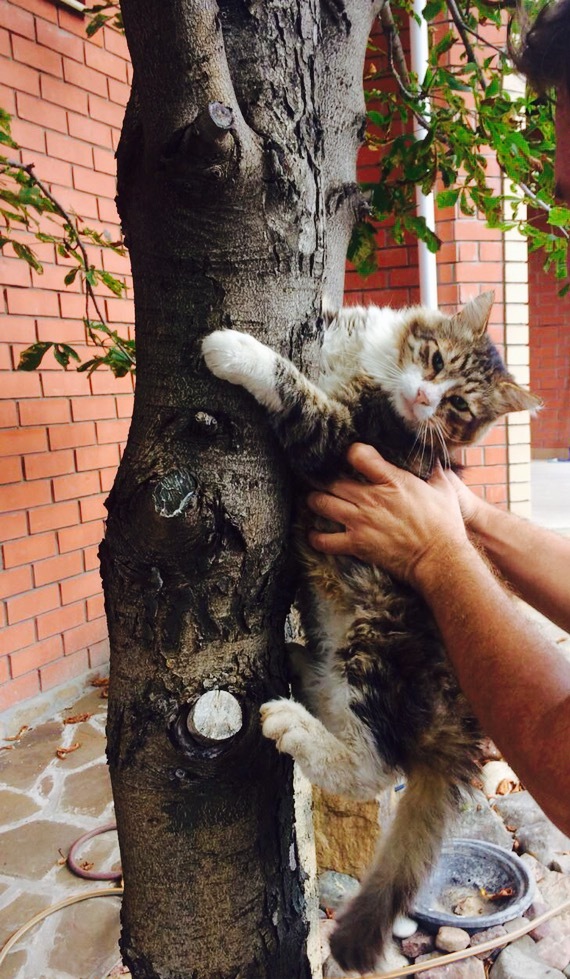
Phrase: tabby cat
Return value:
(379, 699)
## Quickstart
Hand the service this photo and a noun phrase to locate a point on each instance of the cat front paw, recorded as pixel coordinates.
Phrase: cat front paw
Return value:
(287, 723)
(241, 359)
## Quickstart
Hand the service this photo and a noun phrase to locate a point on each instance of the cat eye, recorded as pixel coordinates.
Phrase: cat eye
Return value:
(437, 362)
(459, 403)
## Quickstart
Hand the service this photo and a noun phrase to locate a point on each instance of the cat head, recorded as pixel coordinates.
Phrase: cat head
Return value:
(443, 373)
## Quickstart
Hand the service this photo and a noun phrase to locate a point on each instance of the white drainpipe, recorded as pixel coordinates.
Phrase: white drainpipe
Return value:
(419, 42)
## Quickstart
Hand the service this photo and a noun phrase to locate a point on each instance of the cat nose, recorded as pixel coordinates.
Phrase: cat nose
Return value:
(421, 397)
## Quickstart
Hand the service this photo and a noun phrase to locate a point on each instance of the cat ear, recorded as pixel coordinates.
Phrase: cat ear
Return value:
(512, 397)
(475, 315)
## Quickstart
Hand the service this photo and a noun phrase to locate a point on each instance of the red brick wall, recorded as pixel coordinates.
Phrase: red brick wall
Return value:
(469, 261)
(61, 433)
(549, 361)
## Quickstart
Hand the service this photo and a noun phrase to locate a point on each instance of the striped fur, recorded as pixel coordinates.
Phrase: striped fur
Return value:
(379, 699)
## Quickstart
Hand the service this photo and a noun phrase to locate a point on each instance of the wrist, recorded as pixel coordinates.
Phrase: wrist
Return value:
(443, 556)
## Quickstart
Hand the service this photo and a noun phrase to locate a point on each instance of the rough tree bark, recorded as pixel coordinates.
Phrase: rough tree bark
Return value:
(236, 187)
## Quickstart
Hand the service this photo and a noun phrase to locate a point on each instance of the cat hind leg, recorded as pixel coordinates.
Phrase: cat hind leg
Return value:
(335, 765)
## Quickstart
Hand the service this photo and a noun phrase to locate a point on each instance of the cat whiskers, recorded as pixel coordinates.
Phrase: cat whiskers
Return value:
(438, 428)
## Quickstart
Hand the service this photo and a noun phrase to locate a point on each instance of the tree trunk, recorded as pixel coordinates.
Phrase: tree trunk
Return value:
(237, 194)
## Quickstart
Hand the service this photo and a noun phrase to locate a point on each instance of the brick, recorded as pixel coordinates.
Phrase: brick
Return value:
(89, 182)
(95, 607)
(83, 586)
(21, 496)
(112, 431)
(84, 635)
(65, 148)
(97, 457)
(99, 654)
(125, 405)
(60, 93)
(20, 77)
(35, 656)
(11, 469)
(46, 464)
(40, 9)
(94, 407)
(23, 441)
(107, 211)
(12, 526)
(8, 414)
(29, 53)
(104, 161)
(84, 77)
(119, 91)
(15, 581)
(67, 436)
(57, 568)
(91, 556)
(32, 603)
(56, 622)
(54, 516)
(44, 411)
(5, 670)
(109, 64)
(17, 636)
(88, 130)
(56, 673)
(93, 508)
(56, 39)
(32, 302)
(66, 383)
(65, 331)
(117, 44)
(76, 485)
(18, 384)
(73, 538)
(18, 21)
(22, 551)
(105, 111)
(107, 477)
(18, 690)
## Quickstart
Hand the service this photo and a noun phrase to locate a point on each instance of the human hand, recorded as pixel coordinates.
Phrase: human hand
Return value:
(395, 520)
(473, 507)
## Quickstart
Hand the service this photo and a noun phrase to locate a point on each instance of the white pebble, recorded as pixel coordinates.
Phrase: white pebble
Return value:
(404, 927)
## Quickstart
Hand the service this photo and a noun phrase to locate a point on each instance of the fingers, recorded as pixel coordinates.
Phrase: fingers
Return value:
(330, 543)
(367, 461)
(335, 507)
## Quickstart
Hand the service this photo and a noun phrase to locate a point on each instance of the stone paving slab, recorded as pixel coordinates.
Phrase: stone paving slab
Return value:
(46, 803)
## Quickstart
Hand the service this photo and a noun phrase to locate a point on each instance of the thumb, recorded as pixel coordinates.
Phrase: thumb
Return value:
(369, 463)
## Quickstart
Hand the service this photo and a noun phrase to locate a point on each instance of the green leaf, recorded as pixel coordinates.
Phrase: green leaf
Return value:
(447, 198)
(71, 275)
(559, 216)
(63, 352)
(22, 251)
(115, 285)
(362, 249)
(31, 358)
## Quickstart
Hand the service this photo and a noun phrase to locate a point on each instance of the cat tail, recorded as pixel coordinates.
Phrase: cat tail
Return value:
(401, 864)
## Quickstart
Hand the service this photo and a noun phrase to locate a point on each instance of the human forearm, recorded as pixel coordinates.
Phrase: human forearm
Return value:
(535, 561)
(517, 682)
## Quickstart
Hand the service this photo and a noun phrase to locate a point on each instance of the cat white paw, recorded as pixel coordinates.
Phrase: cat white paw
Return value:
(241, 359)
(287, 723)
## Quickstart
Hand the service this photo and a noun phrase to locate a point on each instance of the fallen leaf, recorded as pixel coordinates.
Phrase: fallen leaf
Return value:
(505, 787)
(62, 752)
(497, 895)
(88, 865)
(16, 737)
(99, 681)
(329, 913)
(77, 718)
(6, 747)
